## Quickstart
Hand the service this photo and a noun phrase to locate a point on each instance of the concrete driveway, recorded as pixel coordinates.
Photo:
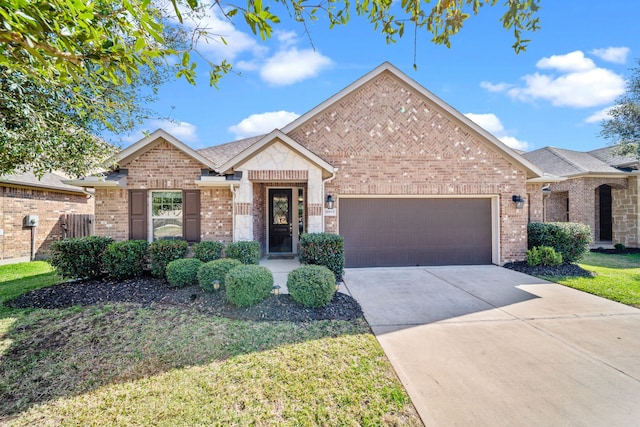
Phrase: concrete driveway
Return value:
(486, 346)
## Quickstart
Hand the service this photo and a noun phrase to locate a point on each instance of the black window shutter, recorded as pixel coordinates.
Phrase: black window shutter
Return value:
(191, 215)
(138, 224)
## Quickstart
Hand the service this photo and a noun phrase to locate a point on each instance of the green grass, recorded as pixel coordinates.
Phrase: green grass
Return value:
(122, 365)
(617, 277)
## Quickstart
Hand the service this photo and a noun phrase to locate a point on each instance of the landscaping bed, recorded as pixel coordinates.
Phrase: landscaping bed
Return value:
(148, 291)
(562, 270)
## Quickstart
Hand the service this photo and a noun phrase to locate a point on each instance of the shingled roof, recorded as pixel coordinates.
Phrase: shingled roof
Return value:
(49, 181)
(220, 154)
(612, 157)
(562, 162)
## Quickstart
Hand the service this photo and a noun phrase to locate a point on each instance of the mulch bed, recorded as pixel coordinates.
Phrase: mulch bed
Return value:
(562, 270)
(617, 251)
(150, 291)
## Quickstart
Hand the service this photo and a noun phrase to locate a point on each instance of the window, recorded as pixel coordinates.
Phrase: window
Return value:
(166, 215)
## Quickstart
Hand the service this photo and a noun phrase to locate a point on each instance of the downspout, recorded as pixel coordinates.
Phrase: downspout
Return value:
(325, 181)
(233, 212)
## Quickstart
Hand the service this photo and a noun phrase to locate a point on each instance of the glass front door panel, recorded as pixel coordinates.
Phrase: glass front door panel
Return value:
(280, 226)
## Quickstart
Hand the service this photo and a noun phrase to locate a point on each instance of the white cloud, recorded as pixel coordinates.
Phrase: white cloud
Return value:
(184, 131)
(599, 116)
(286, 38)
(224, 40)
(258, 124)
(492, 124)
(292, 66)
(580, 84)
(571, 62)
(495, 87)
(616, 55)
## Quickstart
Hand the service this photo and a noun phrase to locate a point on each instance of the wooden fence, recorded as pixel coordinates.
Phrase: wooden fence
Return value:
(77, 225)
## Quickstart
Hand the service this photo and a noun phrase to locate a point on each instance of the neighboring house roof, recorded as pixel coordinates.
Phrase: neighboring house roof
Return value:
(533, 171)
(612, 157)
(562, 162)
(49, 181)
(220, 154)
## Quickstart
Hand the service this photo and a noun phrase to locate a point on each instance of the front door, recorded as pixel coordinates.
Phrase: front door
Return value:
(280, 225)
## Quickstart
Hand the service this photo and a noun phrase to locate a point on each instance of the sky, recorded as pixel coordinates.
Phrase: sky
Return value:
(554, 94)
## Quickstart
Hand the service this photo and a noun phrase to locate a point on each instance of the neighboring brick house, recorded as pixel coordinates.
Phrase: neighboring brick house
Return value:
(404, 177)
(52, 201)
(601, 189)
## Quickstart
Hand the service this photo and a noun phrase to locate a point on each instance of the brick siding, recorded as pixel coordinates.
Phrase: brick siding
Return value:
(387, 139)
(163, 167)
(50, 206)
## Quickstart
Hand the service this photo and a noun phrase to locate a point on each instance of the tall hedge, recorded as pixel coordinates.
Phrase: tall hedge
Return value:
(79, 258)
(163, 252)
(122, 260)
(323, 249)
(571, 239)
(246, 251)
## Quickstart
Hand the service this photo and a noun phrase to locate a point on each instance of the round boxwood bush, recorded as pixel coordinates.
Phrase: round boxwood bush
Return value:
(248, 284)
(312, 285)
(183, 272)
(208, 250)
(215, 270)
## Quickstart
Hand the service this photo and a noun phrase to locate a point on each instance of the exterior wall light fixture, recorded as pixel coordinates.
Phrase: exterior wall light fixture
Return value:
(329, 203)
(518, 200)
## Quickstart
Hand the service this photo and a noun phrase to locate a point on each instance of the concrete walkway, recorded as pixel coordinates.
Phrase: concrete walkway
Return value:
(486, 346)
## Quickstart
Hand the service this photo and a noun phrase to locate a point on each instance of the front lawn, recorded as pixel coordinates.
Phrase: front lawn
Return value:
(124, 364)
(617, 277)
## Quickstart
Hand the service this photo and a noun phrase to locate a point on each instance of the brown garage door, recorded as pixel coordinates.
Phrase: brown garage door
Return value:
(408, 232)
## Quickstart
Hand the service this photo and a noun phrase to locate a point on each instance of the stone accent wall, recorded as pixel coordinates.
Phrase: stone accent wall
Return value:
(163, 167)
(50, 206)
(385, 138)
(626, 213)
(584, 204)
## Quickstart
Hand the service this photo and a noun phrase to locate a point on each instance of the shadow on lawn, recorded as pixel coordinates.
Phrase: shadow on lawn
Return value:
(55, 353)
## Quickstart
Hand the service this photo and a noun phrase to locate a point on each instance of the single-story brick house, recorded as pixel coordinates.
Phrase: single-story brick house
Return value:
(400, 174)
(53, 202)
(601, 189)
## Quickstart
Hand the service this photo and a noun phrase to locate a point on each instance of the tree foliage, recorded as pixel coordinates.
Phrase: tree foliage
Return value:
(82, 64)
(623, 125)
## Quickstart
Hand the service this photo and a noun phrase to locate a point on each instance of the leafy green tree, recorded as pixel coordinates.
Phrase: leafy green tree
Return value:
(623, 126)
(85, 55)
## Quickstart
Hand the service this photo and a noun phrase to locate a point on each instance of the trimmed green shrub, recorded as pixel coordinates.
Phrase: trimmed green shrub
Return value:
(312, 285)
(247, 251)
(543, 255)
(208, 250)
(183, 272)
(122, 260)
(248, 285)
(570, 239)
(323, 249)
(163, 252)
(619, 247)
(79, 258)
(215, 270)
